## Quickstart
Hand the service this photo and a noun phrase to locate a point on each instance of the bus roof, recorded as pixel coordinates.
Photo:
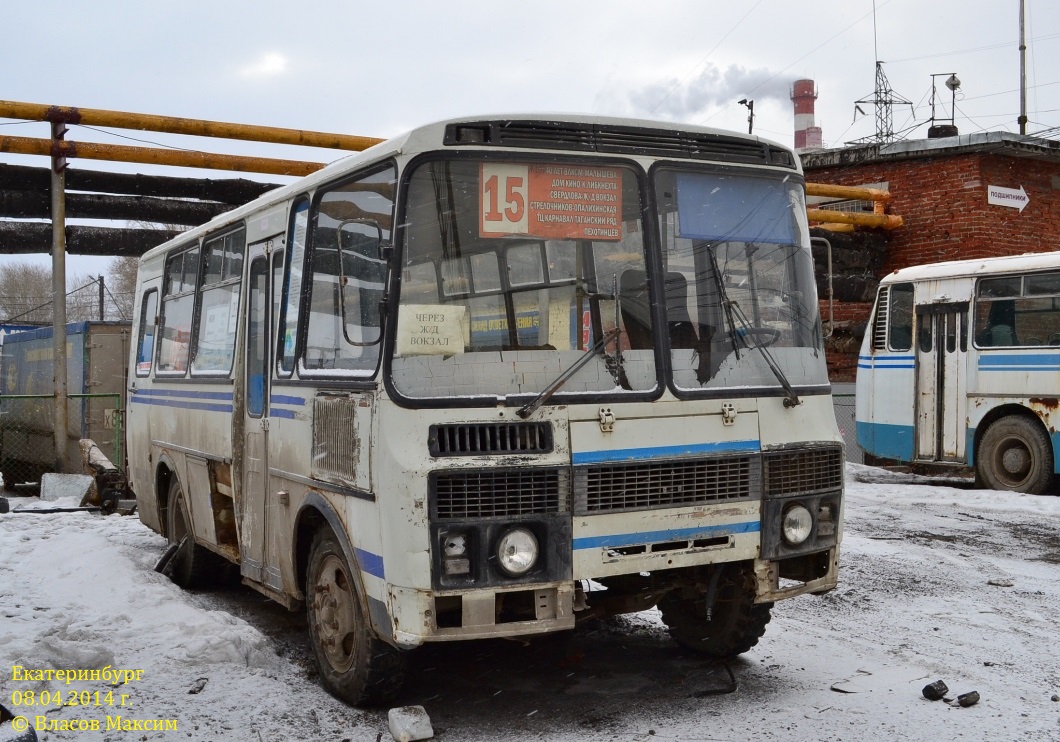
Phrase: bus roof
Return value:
(975, 267)
(431, 137)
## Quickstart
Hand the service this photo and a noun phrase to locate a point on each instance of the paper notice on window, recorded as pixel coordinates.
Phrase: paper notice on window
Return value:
(432, 329)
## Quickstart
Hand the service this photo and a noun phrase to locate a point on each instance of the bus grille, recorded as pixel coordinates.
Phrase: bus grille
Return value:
(471, 439)
(803, 471)
(336, 447)
(488, 493)
(641, 486)
(879, 322)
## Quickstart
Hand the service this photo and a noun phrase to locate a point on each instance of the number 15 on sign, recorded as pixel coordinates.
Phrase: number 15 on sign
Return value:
(503, 195)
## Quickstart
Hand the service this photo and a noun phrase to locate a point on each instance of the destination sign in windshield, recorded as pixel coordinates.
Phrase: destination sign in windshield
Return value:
(564, 202)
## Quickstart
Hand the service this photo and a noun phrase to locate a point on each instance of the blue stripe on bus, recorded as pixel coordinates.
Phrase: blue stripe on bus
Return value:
(184, 393)
(284, 399)
(677, 534)
(1020, 362)
(885, 440)
(370, 563)
(657, 452)
(182, 398)
(186, 405)
(885, 362)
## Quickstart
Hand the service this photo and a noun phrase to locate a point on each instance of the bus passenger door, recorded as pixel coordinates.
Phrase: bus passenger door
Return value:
(255, 517)
(942, 400)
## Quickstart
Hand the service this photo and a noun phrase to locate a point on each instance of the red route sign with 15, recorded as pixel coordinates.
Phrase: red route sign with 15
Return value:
(563, 202)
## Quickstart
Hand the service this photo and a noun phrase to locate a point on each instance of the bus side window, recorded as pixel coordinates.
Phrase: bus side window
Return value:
(215, 335)
(349, 226)
(178, 301)
(146, 339)
(900, 317)
(923, 333)
(292, 289)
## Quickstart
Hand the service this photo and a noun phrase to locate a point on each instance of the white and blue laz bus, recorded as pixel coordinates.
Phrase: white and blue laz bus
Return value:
(494, 377)
(961, 365)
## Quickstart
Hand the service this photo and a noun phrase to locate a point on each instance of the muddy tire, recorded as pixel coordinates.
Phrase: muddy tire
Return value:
(192, 566)
(736, 622)
(355, 666)
(1015, 454)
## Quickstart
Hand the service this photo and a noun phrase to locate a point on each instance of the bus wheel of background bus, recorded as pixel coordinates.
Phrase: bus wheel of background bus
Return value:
(192, 566)
(736, 622)
(354, 664)
(1015, 454)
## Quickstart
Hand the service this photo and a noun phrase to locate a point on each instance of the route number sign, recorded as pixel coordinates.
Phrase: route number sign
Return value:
(564, 202)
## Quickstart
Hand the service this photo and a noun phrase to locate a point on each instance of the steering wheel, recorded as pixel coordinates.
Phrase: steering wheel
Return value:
(1054, 339)
(763, 336)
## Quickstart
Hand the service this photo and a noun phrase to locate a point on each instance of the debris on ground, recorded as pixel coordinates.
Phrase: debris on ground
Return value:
(409, 723)
(935, 691)
(57, 486)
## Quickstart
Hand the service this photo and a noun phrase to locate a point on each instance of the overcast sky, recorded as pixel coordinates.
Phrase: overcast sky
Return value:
(378, 69)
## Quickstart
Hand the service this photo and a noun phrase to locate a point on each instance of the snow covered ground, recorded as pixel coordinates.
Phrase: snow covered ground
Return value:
(936, 583)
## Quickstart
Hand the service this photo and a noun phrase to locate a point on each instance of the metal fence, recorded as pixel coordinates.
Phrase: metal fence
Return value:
(27, 440)
(844, 417)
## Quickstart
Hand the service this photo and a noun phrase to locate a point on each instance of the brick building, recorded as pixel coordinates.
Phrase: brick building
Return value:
(940, 187)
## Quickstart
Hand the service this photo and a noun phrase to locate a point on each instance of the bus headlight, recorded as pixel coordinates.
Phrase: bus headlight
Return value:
(456, 561)
(796, 525)
(517, 551)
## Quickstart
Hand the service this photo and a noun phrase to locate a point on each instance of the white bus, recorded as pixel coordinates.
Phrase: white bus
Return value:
(961, 365)
(493, 377)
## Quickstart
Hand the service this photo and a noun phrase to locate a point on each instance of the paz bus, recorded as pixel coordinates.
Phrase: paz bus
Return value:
(491, 378)
(961, 365)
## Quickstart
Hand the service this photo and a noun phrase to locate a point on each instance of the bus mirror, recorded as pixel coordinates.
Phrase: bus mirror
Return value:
(361, 276)
(359, 238)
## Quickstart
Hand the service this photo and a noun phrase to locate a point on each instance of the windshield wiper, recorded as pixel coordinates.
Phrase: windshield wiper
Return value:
(730, 323)
(545, 394)
(792, 399)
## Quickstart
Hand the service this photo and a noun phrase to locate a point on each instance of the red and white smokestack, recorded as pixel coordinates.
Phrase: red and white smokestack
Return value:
(807, 136)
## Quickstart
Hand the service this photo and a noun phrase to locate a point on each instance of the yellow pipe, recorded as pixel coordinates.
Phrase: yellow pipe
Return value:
(886, 221)
(838, 191)
(837, 227)
(152, 156)
(175, 125)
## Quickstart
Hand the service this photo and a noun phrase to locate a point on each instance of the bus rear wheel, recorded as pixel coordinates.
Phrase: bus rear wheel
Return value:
(1015, 454)
(735, 623)
(192, 566)
(354, 664)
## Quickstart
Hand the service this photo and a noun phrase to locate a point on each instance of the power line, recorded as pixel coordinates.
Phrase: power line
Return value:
(784, 69)
(988, 47)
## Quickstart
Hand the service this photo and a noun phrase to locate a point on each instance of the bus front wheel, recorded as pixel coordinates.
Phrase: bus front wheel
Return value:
(1015, 454)
(354, 664)
(733, 624)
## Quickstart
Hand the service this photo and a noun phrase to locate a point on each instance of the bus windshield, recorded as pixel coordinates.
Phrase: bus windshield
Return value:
(739, 282)
(512, 271)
